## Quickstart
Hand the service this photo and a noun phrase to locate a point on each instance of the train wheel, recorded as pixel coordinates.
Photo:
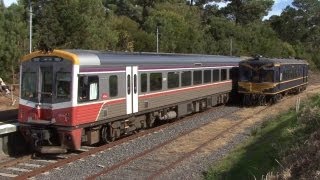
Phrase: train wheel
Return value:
(277, 98)
(262, 100)
(247, 100)
(106, 135)
(150, 120)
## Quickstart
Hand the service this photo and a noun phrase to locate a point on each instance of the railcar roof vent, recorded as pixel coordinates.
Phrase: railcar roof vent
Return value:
(197, 64)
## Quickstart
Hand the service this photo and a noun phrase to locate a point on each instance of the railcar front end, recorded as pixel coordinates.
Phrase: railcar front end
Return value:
(46, 101)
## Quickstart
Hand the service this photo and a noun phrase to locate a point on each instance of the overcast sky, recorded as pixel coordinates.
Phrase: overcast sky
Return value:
(277, 8)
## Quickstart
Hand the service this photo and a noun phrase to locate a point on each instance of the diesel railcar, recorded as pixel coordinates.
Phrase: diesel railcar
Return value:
(71, 98)
(263, 80)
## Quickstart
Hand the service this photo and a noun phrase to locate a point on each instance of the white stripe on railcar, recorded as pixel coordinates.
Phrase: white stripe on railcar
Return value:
(101, 72)
(195, 68)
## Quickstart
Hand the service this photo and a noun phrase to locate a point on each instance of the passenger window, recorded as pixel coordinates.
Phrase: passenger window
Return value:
(155, 81)
(223, 74)
(144, 82)
(113, 86)
(88, 88)
(197, 77)
(186, 78)
(215, 75)
(207, 76)
(173, 80)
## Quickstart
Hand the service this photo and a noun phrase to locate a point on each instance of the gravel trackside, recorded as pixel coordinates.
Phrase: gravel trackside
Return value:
(95, 163)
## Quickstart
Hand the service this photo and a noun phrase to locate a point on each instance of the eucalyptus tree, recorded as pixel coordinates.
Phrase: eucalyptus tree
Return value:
(13, 39)
(246, 11)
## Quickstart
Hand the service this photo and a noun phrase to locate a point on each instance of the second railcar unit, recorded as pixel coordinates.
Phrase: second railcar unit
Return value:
(74, 97)
(264, 80)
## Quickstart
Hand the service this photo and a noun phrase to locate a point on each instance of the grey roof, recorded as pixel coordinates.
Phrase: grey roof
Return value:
(275, 61)
(89, 57)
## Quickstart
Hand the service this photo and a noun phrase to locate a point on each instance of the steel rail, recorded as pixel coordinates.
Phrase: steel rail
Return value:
(128, 138)
(184, 156)
(144, 153)
(16, 161)
(62, 162)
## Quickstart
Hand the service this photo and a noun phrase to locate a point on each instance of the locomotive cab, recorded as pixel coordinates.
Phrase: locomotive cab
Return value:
(257, 77)
(263, 80)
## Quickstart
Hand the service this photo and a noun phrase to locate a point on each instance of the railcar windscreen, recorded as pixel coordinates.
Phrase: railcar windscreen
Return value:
(63, 87)
(28, 89)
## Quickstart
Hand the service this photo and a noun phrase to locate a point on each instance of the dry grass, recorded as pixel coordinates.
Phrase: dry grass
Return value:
(303, 160)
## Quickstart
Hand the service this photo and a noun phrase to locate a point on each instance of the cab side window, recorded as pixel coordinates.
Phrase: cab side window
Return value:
(88, 88)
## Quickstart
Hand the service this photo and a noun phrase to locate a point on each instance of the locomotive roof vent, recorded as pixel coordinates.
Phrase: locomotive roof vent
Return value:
(257, 57)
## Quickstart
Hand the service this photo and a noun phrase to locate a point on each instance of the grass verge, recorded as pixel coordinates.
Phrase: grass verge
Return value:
(265, 149)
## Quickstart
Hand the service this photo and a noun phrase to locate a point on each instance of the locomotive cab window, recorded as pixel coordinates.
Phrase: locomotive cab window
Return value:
(63, 86)
(267, 76)
(155, 81)
(173, 80)
(113, 86)
(88, 88)
(245, 73)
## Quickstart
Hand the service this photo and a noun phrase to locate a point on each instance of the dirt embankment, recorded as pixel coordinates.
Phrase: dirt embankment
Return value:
(9, 105)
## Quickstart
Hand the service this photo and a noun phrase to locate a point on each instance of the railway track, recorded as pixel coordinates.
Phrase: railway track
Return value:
(28, 163)
(155, 162)
(163, 158)
(28, 166)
